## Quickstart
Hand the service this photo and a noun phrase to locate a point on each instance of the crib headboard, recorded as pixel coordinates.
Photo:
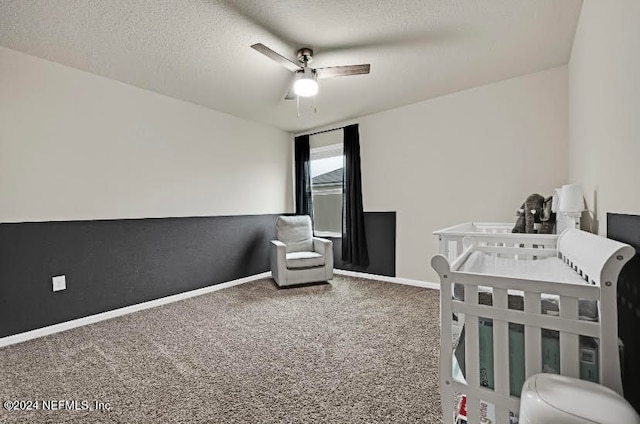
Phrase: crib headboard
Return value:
(599, 261)
(596, 259)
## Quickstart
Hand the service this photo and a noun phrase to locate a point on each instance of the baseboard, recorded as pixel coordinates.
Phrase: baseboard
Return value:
(397, 280)
(68, 325)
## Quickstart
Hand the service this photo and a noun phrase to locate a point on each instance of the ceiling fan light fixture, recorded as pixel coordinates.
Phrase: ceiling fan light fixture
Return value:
(305, 84)
(305, 79)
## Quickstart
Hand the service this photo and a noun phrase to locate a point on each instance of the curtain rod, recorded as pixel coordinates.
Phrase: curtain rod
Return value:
(325, 131)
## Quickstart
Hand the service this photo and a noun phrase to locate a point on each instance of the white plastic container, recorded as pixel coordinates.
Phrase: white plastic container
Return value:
(550, 398)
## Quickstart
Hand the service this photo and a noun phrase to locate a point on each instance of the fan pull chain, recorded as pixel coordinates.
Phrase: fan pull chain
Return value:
(315, 105)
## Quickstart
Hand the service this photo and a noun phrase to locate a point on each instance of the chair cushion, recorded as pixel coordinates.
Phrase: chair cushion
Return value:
(304, 260)
(295, 232)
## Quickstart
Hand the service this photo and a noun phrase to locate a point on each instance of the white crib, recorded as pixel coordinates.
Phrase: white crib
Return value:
(450, 240)
(573, 268)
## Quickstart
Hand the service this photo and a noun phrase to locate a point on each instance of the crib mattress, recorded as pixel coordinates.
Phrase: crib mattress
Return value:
(547, 269)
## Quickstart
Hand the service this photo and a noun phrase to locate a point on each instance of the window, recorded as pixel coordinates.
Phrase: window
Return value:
(327, 173)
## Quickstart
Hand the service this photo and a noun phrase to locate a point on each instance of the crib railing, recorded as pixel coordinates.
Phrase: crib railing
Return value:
(451, 241)
(566, 323)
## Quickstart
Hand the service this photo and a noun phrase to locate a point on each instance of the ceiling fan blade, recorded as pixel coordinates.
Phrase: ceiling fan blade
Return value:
(276, 56)
(290, 94)
(342, 71)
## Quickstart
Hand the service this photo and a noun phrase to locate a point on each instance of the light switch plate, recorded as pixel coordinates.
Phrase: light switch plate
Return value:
(59, 283)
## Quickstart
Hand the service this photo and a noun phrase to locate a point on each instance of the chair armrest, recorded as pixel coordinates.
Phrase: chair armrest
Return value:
(322, 245)
(278, 261)
(279, 248)
(325, 248)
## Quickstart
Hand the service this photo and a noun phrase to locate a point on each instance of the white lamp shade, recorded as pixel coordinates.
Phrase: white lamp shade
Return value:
(571, 199)
(305, 85)
(555, 203)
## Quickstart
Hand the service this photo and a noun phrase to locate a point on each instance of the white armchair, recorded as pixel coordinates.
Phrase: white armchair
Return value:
(297, 256)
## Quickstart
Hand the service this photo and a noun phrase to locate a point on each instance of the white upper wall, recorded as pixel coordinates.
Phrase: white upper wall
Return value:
(604, 99)
(474, 155)
(76, 146)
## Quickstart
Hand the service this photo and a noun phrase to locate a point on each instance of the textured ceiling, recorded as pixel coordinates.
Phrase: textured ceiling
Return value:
(198, 50)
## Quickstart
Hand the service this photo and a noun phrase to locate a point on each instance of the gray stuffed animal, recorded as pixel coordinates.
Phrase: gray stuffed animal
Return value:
(535, 210)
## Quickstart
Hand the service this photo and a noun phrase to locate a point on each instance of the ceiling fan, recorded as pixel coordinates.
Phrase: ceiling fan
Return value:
(305, 80)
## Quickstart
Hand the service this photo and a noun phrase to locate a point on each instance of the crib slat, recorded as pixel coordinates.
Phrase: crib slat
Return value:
(472, 345)
(472, 354)
(532, 336)
(452, 249)
(473, 409)
(501, 345)
(528, 247)
(443, 246)
(502, 415)
(569, 343)
(459, 247)
(446, 351)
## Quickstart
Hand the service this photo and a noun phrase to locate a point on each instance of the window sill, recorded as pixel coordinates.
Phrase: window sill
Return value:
(327, 234)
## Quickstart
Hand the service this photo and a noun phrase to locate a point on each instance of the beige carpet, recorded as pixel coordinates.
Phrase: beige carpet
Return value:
(353, 351)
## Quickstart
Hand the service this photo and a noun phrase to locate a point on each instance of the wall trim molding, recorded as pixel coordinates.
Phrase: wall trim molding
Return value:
(396, 280)
(103, 316)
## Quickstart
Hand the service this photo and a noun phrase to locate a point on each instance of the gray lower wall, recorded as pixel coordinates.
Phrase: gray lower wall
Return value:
(110, 264)
(626, 228)
(381, 242)
(115, 263)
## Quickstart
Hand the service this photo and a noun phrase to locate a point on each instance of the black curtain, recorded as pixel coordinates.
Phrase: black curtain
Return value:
(303, 176)
(354, 239)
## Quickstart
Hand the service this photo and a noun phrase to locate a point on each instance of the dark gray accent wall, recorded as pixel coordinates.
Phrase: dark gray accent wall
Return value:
(111, 264)
(380, 228)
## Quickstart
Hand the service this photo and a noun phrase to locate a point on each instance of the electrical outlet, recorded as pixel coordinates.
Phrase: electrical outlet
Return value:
(59, 283)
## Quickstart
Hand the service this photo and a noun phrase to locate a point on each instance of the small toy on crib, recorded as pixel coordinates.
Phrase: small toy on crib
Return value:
(536, 209)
